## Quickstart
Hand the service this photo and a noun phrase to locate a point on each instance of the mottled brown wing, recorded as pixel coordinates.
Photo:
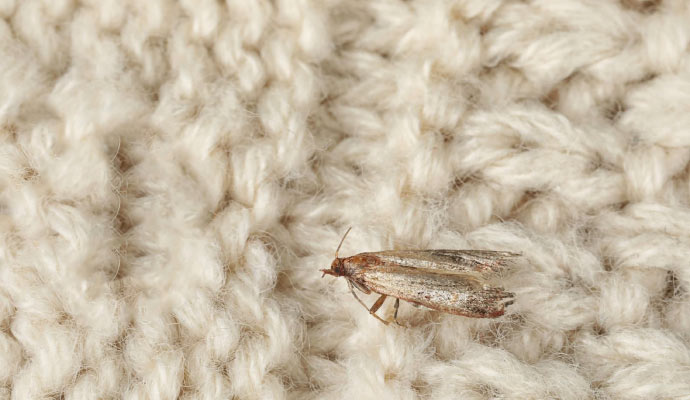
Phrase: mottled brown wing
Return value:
(455, 293)
(484, 262)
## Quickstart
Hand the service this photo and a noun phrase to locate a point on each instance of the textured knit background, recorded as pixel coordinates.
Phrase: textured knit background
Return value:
(174, 174)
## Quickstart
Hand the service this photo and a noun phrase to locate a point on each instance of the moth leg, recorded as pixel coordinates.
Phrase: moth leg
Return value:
(361, 288)
(395, 314)
(352, 289)
(378, 304)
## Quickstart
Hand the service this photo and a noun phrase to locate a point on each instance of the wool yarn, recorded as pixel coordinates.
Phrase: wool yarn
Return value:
(173, 174)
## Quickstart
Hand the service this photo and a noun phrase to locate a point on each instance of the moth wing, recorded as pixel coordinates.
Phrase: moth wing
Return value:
(484, 262)
(454, 293)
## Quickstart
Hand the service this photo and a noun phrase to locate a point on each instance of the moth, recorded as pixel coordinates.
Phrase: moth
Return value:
(451, 281)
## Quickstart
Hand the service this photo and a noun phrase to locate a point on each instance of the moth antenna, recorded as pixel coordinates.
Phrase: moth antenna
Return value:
(341, 242)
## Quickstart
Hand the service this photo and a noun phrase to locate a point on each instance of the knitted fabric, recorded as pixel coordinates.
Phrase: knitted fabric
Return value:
(173, 175)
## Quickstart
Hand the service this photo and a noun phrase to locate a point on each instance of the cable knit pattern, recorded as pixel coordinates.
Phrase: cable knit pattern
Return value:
(173, 174)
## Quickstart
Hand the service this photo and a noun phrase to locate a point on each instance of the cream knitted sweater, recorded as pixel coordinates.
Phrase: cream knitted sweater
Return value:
(173, 174)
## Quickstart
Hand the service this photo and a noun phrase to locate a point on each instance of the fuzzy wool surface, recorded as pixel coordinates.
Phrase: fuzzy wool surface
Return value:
(173, 174)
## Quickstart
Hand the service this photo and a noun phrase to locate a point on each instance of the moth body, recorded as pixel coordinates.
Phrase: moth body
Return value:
(458, 282)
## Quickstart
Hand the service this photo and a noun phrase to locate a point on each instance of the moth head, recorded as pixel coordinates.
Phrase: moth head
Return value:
(336, 268)
(337, 264)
